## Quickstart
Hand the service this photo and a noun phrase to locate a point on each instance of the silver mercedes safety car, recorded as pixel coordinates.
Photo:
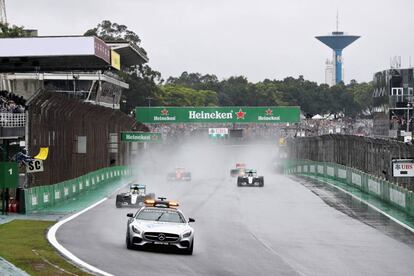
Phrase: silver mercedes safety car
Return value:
(160, 223)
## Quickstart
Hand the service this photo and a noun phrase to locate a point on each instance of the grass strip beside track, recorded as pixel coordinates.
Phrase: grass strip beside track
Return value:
(24, 244)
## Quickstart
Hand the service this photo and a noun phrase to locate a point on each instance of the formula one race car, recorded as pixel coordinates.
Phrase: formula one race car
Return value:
(239, 170)
(179, 175)
(250, 179)
(135, 197)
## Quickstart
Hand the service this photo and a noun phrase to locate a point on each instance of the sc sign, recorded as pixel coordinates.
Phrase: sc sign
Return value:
(403, 167)
(34, 166)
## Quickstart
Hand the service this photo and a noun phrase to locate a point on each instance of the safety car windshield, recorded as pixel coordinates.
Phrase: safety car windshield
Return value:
(161, 215)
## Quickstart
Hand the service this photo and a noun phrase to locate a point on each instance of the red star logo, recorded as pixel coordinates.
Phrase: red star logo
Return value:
(269, 112)
(164, 112)
(240, 114)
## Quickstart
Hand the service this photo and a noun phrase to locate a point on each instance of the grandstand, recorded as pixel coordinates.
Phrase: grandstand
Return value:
(81, 67)
(62, 93)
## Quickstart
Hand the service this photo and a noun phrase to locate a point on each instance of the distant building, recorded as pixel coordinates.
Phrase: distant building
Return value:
(329, 72)
(393, 102)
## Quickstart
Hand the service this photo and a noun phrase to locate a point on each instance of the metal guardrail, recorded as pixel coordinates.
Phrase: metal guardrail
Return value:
(12, 119)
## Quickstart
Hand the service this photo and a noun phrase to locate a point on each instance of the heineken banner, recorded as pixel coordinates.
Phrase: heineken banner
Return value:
(151, 137)
(228, 114)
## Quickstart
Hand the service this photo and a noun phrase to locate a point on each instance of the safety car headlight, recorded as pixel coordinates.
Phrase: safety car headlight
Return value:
(136, 230)
(187, 234)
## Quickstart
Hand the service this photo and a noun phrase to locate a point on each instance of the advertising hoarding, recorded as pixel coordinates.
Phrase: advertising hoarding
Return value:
(228, 114)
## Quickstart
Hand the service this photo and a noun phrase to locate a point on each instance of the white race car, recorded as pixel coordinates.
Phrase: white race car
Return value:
(135, 197)
(250, 179)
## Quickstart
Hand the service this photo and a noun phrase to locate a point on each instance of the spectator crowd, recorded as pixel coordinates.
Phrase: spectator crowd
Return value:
(11, 103)
(268, 131)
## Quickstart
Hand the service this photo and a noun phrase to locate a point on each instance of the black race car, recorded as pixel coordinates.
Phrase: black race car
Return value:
(250, 179)
(179, 175)
(135, 197)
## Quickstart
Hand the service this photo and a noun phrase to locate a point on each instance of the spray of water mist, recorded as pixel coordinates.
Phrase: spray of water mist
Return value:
(209, 161)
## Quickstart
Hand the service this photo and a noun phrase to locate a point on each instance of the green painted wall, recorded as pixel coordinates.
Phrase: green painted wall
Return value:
(388, 192)
(41, 197)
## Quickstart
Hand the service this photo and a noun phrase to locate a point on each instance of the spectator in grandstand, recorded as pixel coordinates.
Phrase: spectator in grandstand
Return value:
(11, 103)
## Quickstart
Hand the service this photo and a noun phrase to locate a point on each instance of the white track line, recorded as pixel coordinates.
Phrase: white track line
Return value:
(367, 203)
(51, 236)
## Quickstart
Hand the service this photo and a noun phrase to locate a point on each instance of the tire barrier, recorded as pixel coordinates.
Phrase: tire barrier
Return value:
(390, 193)
(41, 197)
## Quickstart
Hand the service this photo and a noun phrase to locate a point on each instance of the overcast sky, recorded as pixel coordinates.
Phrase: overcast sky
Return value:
(255, 38)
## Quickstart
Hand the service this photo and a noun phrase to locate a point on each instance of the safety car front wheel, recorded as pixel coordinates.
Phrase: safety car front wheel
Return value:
(189, 251)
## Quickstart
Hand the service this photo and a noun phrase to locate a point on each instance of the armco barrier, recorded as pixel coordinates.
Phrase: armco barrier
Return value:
(388, 192)
(41, 197)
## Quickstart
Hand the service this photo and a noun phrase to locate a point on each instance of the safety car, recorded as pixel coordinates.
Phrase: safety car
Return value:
(160, 223)
(134, 197)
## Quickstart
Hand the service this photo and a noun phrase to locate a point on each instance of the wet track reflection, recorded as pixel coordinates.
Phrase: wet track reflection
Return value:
(357, 210)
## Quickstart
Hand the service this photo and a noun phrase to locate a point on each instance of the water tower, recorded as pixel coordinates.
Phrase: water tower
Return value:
(337, 41)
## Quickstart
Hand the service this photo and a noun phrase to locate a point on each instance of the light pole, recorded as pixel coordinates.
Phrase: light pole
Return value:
(149, 100)
(408, 116)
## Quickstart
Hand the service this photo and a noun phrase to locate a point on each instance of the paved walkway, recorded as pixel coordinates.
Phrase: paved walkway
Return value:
(8, 269)
(386, 208)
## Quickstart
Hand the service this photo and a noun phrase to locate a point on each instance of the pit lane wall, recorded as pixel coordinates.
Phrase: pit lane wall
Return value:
(41, 197)
(396, 196)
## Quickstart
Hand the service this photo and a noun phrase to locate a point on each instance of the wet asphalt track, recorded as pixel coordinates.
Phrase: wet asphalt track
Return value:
(289, 227)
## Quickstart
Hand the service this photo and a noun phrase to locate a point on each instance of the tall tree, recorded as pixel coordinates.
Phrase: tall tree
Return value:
(143, 79)
(7, 30)
(176, 95)
(352, 100)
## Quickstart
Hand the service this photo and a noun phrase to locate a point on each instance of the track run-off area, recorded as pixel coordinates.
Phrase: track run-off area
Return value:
(290, 226)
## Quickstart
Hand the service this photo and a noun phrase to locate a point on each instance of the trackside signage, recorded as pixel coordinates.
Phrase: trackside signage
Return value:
(228, 114)
(403, 167)
(152, 137)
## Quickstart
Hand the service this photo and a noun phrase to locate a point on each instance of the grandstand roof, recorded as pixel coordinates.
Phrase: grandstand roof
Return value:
(63, 53)
(130, 54)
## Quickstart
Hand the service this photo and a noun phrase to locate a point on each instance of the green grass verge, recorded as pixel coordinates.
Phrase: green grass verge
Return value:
(24, 244)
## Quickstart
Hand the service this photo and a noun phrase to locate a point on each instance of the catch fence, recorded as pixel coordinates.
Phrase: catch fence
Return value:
(370, 155)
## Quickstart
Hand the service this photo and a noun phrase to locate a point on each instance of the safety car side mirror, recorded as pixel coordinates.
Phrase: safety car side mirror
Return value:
(191, 220)
(130, 215)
